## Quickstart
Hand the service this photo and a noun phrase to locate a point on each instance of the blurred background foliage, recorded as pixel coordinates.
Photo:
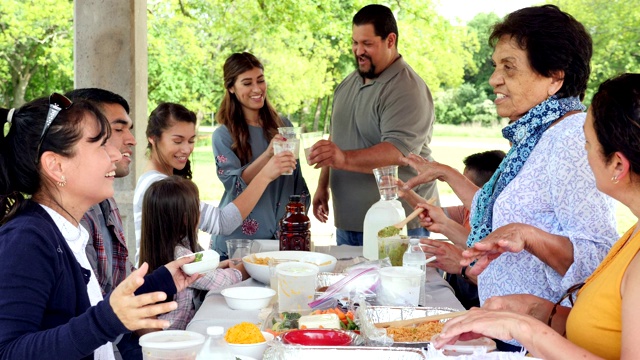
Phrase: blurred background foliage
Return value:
(306, 49)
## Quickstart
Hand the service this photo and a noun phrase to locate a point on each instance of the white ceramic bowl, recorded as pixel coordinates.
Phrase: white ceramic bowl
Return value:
(247, 297)
(171, 344)
(210, 261)
(252, 350)
(325, 262)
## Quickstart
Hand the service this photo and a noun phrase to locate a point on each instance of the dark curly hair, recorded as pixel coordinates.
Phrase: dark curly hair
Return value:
(616, 118)
(554, 41)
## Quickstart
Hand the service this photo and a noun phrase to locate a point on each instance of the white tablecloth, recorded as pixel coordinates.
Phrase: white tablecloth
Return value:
(214, 310)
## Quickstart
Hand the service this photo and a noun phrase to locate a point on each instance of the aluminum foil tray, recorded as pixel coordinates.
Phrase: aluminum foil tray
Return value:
(286, 352)
(376, 314)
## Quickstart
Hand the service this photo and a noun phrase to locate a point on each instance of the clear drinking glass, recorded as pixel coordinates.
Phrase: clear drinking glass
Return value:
(387, 177)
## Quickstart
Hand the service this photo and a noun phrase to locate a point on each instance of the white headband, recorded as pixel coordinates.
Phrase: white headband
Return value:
(10, 115)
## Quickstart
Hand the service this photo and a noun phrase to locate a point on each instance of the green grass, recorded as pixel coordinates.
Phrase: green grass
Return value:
(450, 145)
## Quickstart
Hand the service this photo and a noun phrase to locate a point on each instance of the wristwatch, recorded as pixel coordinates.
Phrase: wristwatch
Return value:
(463, 272)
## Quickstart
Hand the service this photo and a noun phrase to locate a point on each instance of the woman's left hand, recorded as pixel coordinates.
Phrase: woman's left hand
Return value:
(139, 311)
(181, 279)
(509, 238)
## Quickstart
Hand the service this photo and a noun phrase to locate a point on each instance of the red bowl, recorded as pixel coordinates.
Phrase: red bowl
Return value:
(317, 337)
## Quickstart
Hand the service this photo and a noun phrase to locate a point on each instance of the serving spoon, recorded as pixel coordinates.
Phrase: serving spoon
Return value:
(393, 230)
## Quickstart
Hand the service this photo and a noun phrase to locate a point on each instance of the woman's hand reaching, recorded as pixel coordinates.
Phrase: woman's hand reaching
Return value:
(139, 312)
(181, 279)
(427, 170)
(509, 238)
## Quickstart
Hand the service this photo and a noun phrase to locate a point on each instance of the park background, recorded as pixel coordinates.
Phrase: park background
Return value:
(305, 47)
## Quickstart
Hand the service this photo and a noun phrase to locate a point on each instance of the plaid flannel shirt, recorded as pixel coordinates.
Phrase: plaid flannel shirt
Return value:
(188, 298)
(107, 212)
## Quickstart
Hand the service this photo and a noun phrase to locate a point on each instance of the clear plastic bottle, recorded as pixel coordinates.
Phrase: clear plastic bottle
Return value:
(414, 257)
(215, 347)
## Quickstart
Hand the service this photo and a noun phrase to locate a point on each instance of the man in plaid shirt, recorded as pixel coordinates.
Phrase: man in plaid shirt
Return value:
(107, 248)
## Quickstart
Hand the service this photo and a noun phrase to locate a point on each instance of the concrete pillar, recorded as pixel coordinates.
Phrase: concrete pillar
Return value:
(110, 52)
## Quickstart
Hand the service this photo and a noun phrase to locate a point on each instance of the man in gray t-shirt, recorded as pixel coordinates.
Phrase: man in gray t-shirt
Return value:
(381, 112)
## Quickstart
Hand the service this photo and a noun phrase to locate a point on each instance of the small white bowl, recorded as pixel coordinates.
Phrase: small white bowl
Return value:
(252, 350)
(247, 297)
(210, 261)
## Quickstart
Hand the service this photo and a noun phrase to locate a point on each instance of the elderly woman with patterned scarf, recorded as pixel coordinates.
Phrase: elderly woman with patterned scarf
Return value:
(550, 225)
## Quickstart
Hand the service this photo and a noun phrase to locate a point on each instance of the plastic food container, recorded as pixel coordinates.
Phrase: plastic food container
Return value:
(171, 345)
(393, 248)
(317, 337)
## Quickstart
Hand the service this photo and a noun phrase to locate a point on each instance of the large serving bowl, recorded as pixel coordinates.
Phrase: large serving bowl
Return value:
(260, 270)
(247, 297)
(251, 350)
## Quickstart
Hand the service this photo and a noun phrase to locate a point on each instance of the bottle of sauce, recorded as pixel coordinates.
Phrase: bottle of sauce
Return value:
(295, 227)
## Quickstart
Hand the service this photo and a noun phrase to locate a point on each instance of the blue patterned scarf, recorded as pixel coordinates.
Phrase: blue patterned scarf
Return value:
(524, 134)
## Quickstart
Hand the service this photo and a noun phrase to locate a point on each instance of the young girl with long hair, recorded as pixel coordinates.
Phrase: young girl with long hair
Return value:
(170, 216)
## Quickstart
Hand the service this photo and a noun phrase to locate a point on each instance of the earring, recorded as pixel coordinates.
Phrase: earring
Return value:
(62, 182)
(614, 179)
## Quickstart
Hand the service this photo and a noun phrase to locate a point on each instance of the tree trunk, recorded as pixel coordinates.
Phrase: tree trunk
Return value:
(20, 89)
(327, 115)
(316, 117)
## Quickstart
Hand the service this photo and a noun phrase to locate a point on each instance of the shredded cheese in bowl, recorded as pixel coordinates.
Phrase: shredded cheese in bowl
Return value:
(244, 333)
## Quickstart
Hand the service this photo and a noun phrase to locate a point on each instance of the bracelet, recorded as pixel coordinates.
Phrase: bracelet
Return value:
(552, 313)
(463, 272)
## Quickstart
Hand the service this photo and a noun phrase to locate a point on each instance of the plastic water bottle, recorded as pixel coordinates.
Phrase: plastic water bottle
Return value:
(414, 257)
(215, 347)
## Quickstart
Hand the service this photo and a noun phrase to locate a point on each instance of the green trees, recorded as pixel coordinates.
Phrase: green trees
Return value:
(613, 26)
(304, 45)
(36, 49)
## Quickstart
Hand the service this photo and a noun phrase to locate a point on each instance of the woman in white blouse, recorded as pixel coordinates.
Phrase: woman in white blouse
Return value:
(543, 194)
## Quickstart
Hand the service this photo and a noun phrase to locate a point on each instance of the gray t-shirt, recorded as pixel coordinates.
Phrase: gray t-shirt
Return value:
(397, 108)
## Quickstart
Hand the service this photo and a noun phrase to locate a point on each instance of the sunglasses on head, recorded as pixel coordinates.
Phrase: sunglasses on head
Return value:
(57, 103)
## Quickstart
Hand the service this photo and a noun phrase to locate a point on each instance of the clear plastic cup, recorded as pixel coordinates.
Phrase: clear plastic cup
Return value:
(280, 146)
(386, 178)
(308, 140)
(238, 248)
(289, 132)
